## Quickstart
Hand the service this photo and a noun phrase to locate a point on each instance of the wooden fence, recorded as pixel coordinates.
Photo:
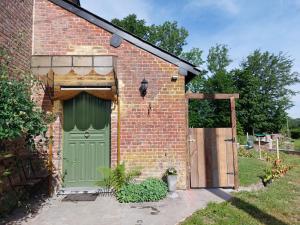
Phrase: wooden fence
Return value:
(211, 157)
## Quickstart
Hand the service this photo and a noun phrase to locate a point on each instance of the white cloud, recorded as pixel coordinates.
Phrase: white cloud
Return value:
(119, 9)
(229, 6)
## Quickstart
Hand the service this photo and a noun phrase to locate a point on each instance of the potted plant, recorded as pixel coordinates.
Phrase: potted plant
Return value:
(171, 174)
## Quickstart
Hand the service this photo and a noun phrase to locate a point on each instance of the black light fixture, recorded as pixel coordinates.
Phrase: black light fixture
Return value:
(144, 87)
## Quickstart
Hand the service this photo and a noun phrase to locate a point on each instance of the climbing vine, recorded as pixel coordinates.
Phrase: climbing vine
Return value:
(19, 115)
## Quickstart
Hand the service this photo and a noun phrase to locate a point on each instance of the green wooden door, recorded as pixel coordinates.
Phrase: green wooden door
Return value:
(86, 140)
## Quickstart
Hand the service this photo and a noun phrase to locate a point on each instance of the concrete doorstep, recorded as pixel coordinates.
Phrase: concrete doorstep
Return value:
(106, 210)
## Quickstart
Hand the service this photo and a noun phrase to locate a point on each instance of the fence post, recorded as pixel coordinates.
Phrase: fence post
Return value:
(277, 148)
(234, 147)
(259, 148)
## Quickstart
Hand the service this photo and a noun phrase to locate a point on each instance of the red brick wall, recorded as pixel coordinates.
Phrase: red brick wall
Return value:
(16, 30)
(152, 139)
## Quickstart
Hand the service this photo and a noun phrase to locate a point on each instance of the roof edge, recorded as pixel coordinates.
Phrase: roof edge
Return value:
(100, 22)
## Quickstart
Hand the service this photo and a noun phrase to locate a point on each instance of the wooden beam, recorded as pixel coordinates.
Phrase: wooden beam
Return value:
(50, 160)
(234, 146)
(119, 132)
(211, 96)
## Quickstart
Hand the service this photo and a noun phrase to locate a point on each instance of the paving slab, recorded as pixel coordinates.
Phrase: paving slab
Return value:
(105, 210)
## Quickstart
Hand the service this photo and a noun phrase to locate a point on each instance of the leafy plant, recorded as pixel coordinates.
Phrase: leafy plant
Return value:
(242, 152)
(117, 177)
(171, 171)
(151, 189)
(19, 115)
(277, 170)
(268, 157)
(268, 176)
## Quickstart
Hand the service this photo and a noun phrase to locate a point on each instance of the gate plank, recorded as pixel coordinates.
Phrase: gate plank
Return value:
(211, 157)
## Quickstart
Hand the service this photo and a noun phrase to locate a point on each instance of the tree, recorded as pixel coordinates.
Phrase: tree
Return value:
(263, 82)
(218, 59)
(194, 56)
(219, 80)
(294, 123)
(133, 25)
(167, 36)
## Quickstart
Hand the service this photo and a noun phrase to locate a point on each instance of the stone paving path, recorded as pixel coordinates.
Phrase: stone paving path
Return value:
(107, 211)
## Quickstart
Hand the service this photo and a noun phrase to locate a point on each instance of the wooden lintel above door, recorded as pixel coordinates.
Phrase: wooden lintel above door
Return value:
(77, 71)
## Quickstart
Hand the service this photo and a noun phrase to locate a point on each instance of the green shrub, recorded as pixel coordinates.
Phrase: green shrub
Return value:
(277, 170)
(117, 177)
(19, 114)
(295, 133)
(242, 139)
(242, 152)
(150, 190)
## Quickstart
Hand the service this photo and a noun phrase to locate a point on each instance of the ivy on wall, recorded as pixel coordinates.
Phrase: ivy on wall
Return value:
(19, 115)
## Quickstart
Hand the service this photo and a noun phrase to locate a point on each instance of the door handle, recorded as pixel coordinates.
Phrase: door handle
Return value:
(86, 134)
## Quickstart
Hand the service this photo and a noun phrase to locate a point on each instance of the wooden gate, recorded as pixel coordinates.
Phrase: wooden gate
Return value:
(211, 157)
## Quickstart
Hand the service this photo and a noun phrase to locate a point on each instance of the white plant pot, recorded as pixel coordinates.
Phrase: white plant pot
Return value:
(172, 180)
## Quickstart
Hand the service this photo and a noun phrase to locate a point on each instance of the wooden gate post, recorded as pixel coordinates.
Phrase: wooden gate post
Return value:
(234, 147)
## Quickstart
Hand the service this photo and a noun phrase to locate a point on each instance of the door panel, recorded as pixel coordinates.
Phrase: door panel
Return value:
(86, 140)
(211, 157)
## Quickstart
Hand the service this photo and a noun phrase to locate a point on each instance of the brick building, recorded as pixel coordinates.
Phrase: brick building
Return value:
(115, 97)
(16, 31)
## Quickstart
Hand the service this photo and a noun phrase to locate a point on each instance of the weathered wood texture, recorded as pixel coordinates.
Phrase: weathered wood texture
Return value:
(211, 156)
(234, 146)
(90, 80)
(76, 71)
(202, 96)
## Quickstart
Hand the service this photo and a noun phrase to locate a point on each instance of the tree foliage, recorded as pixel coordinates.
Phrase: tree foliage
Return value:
(19, 116)
(208, 113)
(294, 123)
(263, 81)
(167, 36)
(218, 59)
(133, 25)
(194, 56)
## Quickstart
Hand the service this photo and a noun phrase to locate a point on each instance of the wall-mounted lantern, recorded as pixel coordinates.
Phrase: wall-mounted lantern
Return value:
(144, 87)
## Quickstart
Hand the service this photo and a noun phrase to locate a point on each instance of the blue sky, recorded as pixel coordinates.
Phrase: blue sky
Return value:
(243, 25)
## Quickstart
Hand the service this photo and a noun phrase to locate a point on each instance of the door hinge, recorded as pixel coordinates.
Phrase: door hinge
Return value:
(230, 139)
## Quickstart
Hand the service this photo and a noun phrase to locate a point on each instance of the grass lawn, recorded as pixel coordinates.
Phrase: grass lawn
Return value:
(278, 204)
(297, 144)
(250, 169)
